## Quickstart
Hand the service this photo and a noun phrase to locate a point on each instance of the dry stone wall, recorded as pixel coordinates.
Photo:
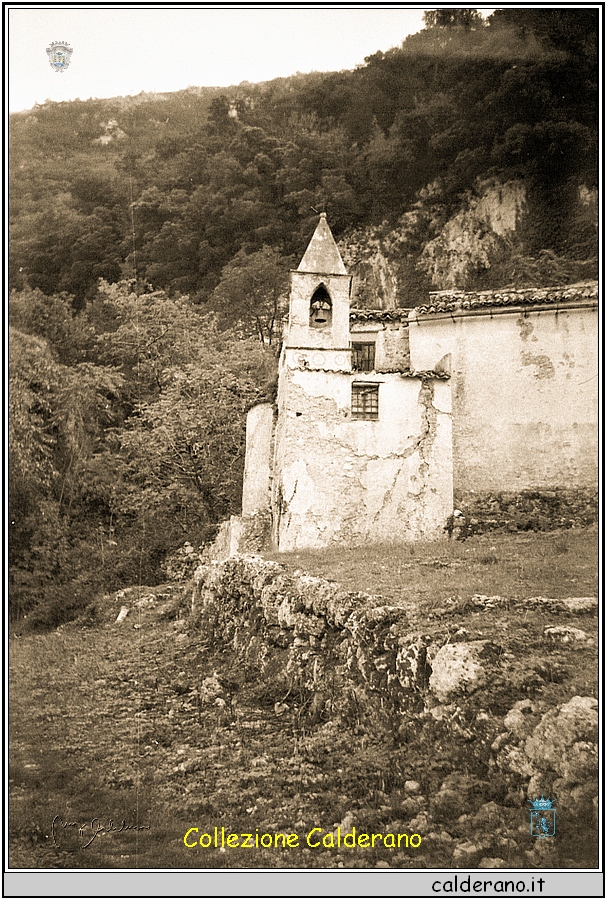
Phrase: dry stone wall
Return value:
(338, 641)
(530, 510)
(335, 642)
(331, 652)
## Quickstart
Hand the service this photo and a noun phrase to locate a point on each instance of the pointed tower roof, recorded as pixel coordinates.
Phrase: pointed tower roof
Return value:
(322, 255)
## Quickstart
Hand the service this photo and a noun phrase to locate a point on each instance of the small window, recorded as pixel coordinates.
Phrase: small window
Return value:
(320, 308)
(365, 401)
(363, 356)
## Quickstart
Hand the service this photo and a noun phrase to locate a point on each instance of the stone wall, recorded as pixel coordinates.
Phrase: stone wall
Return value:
(525, 392)
(336, 640)
(528, 510)
(332, 639)
(330, 642)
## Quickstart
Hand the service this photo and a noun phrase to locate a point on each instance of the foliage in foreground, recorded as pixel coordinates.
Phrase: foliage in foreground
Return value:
(126, 438)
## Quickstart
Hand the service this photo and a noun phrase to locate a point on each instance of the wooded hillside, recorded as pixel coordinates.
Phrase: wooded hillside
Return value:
(151, 237)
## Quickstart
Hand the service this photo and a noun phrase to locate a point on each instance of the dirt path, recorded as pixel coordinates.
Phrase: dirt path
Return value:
(104, 724)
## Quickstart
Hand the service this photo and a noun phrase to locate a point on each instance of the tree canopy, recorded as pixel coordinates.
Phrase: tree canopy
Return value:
(204, 175)
(126, 435)
(453, 18)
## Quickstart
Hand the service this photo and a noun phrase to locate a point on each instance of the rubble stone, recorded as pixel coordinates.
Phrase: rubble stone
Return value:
(566, 634)
(560, 756)
(457, 668)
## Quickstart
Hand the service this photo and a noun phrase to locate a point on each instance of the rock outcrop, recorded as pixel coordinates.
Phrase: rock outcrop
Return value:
(558, 753)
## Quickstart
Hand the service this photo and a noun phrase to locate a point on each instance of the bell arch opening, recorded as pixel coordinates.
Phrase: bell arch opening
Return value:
(321, 308)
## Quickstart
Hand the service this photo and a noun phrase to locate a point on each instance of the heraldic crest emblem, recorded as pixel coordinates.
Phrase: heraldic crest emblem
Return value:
(59, 55)
(543, 818)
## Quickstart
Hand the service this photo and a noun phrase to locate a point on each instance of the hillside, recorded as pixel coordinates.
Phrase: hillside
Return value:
(151, 239)
(419, 142)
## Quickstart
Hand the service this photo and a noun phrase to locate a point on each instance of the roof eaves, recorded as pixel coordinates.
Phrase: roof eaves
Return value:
(450, 301)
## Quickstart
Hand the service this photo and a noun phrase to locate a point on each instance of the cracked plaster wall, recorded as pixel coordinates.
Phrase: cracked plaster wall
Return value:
(525, 395)
(391, 342)
(339, 480)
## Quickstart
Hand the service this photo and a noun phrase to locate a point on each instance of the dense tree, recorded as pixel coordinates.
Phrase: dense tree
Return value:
(253, 291)
(452, 18)
(126, 437)
(185, 449)
(57, 415)
(69, 336)
(218, 174)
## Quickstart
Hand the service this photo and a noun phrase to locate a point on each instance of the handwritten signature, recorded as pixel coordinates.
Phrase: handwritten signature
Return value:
(96, 828)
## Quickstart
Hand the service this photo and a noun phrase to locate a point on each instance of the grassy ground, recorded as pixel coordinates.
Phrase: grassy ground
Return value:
(106, 722)
(420, 575)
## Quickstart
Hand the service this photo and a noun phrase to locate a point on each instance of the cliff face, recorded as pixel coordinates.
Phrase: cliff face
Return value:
(490, 241)
(472, 238)
(368, 257)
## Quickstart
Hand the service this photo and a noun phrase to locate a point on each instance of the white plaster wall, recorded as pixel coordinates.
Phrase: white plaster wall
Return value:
(525, 395)
(256, 481)
(339, 480)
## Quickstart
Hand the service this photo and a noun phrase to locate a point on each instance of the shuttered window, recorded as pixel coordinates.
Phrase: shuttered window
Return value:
(363, 356)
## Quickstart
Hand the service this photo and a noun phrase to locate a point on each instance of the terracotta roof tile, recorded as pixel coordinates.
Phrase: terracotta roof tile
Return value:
(448, 301)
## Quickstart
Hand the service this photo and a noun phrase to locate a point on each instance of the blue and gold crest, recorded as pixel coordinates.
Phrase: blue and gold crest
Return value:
(59, 55)
(543, 818)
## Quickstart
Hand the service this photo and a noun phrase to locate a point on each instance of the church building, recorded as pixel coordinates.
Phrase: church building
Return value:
(358, 448)
(387, 419)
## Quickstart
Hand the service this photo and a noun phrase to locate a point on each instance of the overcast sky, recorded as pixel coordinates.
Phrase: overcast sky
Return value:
(121, 50)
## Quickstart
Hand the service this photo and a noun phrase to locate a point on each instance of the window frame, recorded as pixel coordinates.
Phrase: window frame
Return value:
(368, 409)
(359, 363)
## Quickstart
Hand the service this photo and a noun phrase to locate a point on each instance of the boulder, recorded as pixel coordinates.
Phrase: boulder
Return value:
(559, 756)
(578, 604)
(566, 634)
(458, 668)
(560, 730)
(573, 605)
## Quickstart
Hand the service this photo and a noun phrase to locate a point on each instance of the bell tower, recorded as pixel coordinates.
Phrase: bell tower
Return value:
(319, 311)
(357, 454)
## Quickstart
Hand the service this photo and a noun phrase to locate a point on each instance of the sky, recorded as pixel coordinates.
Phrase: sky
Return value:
(121, 50)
